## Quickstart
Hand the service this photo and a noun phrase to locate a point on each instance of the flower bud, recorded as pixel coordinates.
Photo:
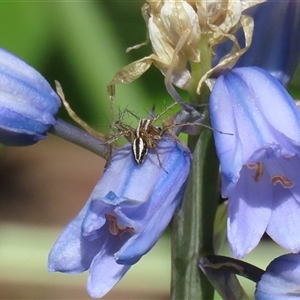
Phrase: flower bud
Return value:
(27, 102)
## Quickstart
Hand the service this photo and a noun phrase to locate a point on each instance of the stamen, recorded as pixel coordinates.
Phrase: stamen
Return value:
(115, 228)
(259, 170)
(286, 183)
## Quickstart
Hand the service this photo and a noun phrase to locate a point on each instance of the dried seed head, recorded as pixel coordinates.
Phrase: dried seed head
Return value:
(171, 21)
(183, 35)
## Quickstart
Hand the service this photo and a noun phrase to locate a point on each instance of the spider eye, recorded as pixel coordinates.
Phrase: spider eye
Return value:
(139, 149)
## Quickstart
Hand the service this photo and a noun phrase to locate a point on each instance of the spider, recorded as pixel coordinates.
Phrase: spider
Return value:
(146, 135)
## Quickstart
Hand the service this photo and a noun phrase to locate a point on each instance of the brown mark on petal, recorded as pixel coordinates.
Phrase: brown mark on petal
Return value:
(286, 183)
(259, 170)
(115, 228)
(287, 158)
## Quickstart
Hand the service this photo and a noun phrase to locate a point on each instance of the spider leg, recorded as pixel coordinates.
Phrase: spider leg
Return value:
(164, 111)
(168, 128)
(131, 113)
(124, 133)
(159, 161)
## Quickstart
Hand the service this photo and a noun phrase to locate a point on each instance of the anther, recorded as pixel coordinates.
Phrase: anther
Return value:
(283, 180)
(115, 228)
(259, 170)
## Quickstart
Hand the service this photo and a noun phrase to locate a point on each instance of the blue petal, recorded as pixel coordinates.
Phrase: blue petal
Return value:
(285, 204)
(72, 253)
(240, 104)
(249, 211)
(281, 279)
(284, 226)
(275, 45)
(23, 80)
(105, 273)
(143, 198)
(27, 102)
(17, 130)
(284, 117)
(144, 240)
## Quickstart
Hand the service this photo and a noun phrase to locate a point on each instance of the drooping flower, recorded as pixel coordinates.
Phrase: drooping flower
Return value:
(124, 217)
(260, 161)
(27, 102)
(281, 279)
(275, 44)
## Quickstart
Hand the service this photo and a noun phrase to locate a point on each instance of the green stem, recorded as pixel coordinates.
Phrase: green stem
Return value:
(192, 227)
(199, 69)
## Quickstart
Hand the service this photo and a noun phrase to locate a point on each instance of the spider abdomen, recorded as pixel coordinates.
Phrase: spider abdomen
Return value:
(139, 150)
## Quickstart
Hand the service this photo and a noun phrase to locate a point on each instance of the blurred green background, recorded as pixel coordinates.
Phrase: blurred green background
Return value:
(82, 45)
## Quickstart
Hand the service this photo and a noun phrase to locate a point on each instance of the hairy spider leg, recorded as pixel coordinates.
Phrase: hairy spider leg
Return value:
(167, 128)
(122, 130)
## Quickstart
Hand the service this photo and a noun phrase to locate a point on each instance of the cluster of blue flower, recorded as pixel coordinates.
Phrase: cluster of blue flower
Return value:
(259, 163)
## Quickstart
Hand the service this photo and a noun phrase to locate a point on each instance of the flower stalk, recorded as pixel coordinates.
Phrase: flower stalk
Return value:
(81, 138)
(192, 227)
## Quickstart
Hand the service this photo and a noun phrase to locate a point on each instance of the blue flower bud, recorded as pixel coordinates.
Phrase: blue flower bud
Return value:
(281, 279)
(27, 102)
